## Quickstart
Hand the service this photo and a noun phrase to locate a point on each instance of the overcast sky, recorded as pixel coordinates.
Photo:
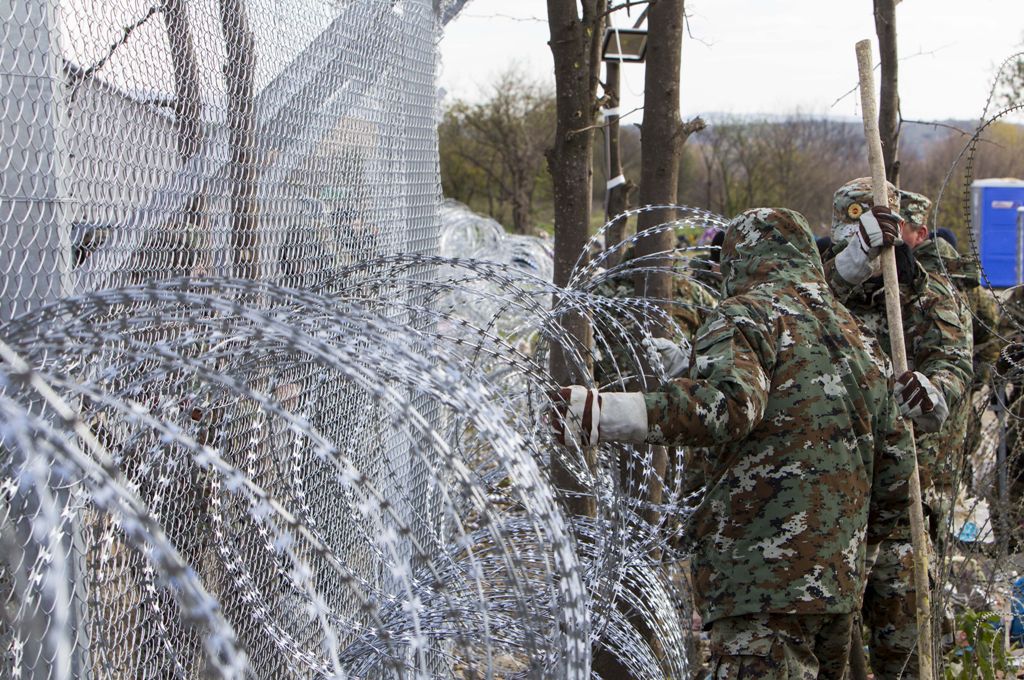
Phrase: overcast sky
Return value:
(768, 56)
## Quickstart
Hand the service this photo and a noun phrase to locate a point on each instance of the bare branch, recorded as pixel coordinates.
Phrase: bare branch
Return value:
(126, 34)
(601, 126)
(626, 5)
(936, 124)
(919, 53)
(693, 125)
(951, 127)
(689, 33)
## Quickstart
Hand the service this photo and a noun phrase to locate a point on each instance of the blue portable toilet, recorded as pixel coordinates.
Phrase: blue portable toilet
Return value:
(997, 207)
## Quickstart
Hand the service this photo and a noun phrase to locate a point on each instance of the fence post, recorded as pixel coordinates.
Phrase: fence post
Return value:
(36, 266)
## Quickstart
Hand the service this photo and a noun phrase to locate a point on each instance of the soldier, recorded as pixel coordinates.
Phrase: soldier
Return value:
(978, 310)
(808, 462)
(940, 260)
(939, 358)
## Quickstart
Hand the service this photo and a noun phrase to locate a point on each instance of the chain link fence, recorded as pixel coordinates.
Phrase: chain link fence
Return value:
(204, 472)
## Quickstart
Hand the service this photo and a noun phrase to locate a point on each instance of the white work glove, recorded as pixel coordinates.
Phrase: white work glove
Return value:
(582, 417)
(921, 401)
(878, 227)
(673, 358)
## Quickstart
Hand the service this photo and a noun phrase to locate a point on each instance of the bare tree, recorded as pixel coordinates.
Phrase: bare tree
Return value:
(576, 49)
(187, 104)
(663, 137)
(496, 147)
(187, 101)
(889, 98)
(239, 72)
(662, 142)
(739, 164)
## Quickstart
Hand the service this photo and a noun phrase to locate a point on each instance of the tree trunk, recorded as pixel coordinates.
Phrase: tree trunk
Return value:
(618, 195)
(575, 47)
(661, 150)
(660, 145)
(186, 78)
(522, 220)
(187, 102)
(239, 74)
(889, 97)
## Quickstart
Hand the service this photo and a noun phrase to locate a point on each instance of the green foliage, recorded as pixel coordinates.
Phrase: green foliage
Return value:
(492, 152)
(979, 649)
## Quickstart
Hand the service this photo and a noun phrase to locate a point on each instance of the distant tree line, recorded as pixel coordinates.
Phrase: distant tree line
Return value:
(492, 158)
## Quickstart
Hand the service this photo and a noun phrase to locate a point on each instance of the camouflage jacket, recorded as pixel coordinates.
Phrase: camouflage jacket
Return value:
(937, 343)
(945, 448)
(963, 272)
(985, 325)
(808, 456)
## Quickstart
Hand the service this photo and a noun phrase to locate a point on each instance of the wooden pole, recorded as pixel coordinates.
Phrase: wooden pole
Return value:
(899, 357)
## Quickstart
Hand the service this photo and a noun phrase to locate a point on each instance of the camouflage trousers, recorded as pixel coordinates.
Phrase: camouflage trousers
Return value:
(780, 646)
(890, 613)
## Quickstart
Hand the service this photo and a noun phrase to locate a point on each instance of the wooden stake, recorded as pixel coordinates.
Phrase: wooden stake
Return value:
(899, 357)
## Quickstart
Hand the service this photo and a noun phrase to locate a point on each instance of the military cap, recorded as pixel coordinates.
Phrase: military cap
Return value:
(914, 208)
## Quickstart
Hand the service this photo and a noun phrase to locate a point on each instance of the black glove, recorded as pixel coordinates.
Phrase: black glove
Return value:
(906, 264)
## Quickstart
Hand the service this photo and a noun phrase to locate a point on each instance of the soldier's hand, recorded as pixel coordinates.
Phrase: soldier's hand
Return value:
(879, 227)
(575, 415)
(672, 357)
(919, 400)
(582, 417)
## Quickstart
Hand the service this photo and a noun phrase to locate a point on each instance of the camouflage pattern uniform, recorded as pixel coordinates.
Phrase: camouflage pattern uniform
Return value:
(985, 315)
(962, 432)
(809, 459)
(940, 259)
(939, 347)
(965, 275)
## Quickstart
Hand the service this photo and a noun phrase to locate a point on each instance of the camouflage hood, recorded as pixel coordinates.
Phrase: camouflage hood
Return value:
(768, 246)
(808, 441)
(938, 256)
